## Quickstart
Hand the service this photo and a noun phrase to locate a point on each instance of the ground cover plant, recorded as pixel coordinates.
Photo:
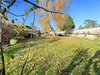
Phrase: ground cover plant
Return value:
(55, 56)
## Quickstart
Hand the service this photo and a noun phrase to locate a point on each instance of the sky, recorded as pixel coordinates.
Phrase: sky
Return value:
(79, 10)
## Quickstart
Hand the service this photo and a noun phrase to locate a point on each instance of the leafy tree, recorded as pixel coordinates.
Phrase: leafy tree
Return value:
(81, 27)
(57, 5)
(44, 21)
(69, 24)
(60, 5)
(90, 23)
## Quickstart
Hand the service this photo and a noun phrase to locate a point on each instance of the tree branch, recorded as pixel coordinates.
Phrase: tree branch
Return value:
(25, 59)
(42, 7)
(28, 47)
(5, 10)
(15, 14)
(6, 2)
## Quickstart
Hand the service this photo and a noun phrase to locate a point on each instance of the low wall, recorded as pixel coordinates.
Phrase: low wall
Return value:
(91, 33)
(92, 37)
(95, 30)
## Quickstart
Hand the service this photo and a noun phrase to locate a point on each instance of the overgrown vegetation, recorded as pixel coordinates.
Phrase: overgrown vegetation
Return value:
(55, 55)
(69, 24)
(10, 31)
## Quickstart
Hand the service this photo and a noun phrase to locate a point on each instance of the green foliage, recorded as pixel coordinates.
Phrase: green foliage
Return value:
(35, 7)
(37, 0)
(16, 19)
(28, 27)
(26, 12)
(23, 18)
(16, 26)
(12, 56)
(23, 28)
(13, 21)
(90, 23)
(69, 24)
(6, 56)
(29, 35)
(80, 27)
(13, 41)
(28, 8)
(20, 37)
(39, 33)
(31, 9)
(3, 16)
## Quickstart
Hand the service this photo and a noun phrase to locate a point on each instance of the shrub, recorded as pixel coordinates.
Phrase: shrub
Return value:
(9, 32)
(29, 35)
(39, 33)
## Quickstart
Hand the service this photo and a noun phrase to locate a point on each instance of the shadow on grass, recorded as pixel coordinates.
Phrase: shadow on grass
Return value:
(48, 39)
(79, 59)
(20, 46)
(75, 62)
(54, 40)
(96, 65)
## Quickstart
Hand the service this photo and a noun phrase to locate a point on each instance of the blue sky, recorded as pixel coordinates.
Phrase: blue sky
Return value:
(79, 10)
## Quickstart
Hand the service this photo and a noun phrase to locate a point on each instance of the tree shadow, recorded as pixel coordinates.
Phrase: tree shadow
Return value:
(20, 46)
(95, 66)
(75, 62)
(54, 39)
(79, 59)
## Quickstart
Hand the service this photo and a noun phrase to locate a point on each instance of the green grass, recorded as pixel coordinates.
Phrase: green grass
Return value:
(56, 56)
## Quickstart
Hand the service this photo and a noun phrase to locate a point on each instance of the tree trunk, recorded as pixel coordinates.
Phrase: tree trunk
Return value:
(54, 33)
(2, 47)
(3, 72)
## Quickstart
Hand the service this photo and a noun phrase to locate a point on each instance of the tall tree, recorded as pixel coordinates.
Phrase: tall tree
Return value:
(69, 24)
(44, 21)
(90, 23)
(60, 6)
(81, 27)
(57, 5)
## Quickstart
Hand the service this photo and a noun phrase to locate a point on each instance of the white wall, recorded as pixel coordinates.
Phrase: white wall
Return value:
(84, 33)
(89, 30)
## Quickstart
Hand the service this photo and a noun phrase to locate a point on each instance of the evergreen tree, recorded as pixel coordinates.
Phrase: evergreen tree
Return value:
(69, 24)
(80, 27)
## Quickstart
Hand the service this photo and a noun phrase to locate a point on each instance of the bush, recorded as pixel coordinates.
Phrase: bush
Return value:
(29, 35)
(9, 32)
(39, 33)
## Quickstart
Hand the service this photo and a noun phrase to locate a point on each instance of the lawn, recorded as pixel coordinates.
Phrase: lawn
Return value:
(56, 56)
